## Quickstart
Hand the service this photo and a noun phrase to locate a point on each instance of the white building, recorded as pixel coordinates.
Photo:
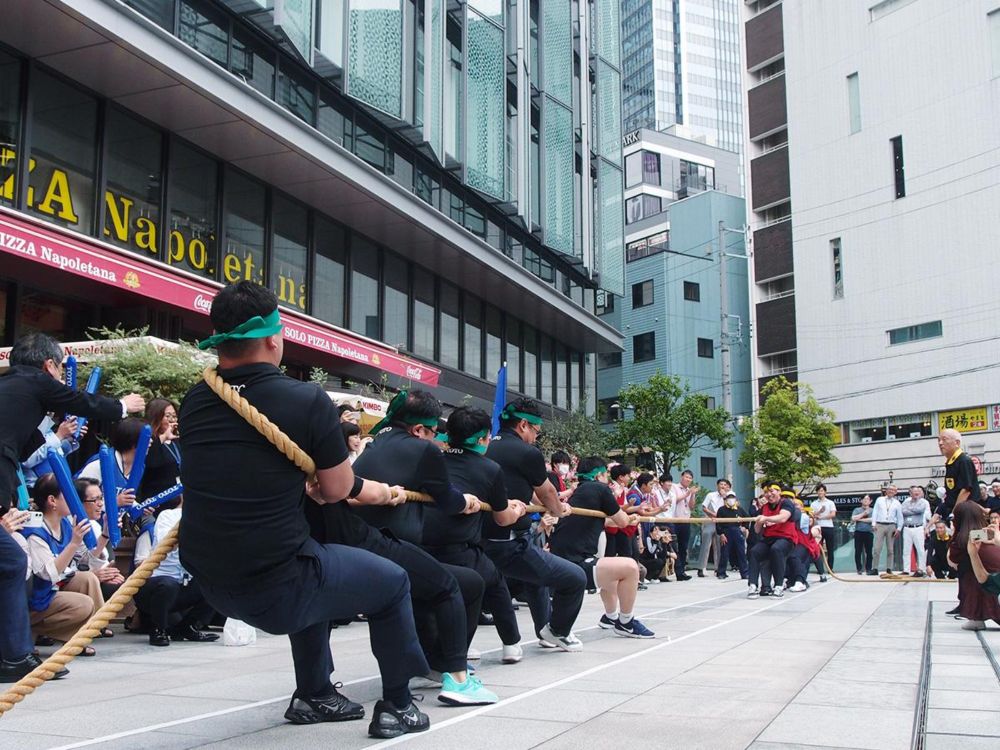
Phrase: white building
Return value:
(874, 199)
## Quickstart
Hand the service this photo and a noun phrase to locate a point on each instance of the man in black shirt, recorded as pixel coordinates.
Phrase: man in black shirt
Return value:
(510, 547)
(31, 388)
(447, 599)
(961, 482)
(244, 533)
(575, 539)
(937, 551)
(456, 539)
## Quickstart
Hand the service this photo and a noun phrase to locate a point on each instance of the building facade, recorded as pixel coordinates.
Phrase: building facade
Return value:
(681, 65)
(874, 176)
(430, 188)
(677, 193)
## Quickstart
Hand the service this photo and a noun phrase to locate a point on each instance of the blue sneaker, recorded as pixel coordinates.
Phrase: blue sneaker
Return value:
(633, 629)
(468, 693)
(606, 623)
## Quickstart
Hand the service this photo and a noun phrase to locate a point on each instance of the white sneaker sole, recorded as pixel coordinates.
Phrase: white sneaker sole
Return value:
(459, 699)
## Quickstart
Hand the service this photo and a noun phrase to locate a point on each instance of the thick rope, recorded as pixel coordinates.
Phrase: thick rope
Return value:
(882, 578)
(91, 630)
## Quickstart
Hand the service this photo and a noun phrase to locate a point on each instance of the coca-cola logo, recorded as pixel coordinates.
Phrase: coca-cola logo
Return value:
(416, 373)
(202, 303)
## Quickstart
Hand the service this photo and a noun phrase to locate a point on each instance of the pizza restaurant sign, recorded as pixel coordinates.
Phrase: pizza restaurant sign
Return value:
(25, 240)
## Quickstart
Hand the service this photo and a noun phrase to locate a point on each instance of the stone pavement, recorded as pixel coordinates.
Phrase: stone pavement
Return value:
(838, 666)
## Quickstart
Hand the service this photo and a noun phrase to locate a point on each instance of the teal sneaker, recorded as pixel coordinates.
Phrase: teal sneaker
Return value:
(468, 693)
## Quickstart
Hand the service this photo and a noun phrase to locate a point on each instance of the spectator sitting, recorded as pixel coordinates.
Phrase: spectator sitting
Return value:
(993, 501)
(355, 443)
(61, 597)
(171, 597)
(974, 604)
(659, 553)
(60, 437)
(937, 551)
(97, 560)
(989, 581)
(733, 544)
(776, 527)
(163, 461)
(124, 437)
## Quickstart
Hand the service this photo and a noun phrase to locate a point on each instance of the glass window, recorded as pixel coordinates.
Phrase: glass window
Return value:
(609, 360)
(375, 54)
(897, 166)
(369, 143)
(246, 212)
(562, 376)
(494, 333)
(709, 466)
(557, 50)
(513, 354)
(611, 231)
(530, 362)
(328, 276)
(160, 12)
(449, 325)
(608, 107)
(994, 21)
(253, 62)
(487, 106)
(427, 187)
(576, 394)
(838, 269)
(364, 287)
(132, 168)
(433, 72)
(64, 149)
(692, 291)
(205, 29)
(854, 102)
(192, 196)
(400, 168)
(297, 93)
(454, 92)
(633, 169)
(330, 30)
(644, 347)
(642, 294)
(423, 313)
(473, 336)
(10, 117)
(559, 156)
(915, 333)
(706, 348)
(650, 168)
(334, 120)
(289, 249)
(396, 305)
(548, 374)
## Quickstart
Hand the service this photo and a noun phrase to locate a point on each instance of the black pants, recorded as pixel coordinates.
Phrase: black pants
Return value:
(334, 582)
(767, 560)
(15, 628)
(171, 604)
(734, 550)
(447, 600)
(654, 565)
(496, 597)
(683, 533)
(830, 540)
(555, 586)
(798, 562)
(863, 541)
(619, 545)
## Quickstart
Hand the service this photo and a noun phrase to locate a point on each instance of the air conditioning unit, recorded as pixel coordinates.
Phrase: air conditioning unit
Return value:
(915, 435)
(890, 436)
(866, 440)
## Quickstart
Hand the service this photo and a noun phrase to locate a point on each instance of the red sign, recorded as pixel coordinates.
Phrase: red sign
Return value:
(97, 263)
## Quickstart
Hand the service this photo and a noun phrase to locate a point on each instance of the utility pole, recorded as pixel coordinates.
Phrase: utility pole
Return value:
(724, 348)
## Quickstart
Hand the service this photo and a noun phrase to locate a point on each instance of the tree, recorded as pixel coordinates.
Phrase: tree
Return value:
(577, 433)
(791, 437)
(666, 417)
(141, 366)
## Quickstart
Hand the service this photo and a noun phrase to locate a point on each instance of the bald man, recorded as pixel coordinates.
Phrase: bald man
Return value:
(960, 479)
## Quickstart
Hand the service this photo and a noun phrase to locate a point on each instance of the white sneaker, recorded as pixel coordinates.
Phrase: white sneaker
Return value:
(798, 586)
(474, 654)
(752, 591)
(569, 642)
(512, 654)
(974, 625)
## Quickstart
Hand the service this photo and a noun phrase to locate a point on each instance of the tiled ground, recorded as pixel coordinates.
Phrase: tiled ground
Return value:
(837, 667)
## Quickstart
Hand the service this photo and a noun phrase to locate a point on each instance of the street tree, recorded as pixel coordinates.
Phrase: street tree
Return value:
(665, 416)
(576, 432)
(791, 437)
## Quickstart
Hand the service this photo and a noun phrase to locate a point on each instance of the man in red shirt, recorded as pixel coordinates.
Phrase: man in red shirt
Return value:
(777, 527)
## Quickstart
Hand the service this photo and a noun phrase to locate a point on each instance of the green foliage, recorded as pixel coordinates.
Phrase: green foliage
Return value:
(665, 416)
(144, 368)
(790, 439)
(319, 376)
(577, 433)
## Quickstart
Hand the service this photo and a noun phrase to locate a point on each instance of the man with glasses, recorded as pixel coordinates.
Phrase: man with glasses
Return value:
(555, 586)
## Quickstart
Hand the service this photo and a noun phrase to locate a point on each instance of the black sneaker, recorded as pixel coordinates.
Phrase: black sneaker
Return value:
(389, 721)
(953, 611)
(333, 707)
(12, 671)
(683, 577)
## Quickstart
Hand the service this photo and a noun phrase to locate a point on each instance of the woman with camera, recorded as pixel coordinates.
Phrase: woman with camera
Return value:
(974, 604)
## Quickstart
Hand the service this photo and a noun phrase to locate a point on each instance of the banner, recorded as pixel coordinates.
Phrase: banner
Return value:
(963, 420)
(48, 247)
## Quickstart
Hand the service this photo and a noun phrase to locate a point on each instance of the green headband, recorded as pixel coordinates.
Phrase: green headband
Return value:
(509, 413)
(472, 442)
(257, 327)
(592, 474)
(394, 406)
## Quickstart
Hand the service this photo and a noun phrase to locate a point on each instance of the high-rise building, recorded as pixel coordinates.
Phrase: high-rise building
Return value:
(873, 185)
(431, 188)
(682, 202)
(681, 65)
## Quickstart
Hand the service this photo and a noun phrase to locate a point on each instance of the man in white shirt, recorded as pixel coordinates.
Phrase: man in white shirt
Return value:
(916, 514)
(709, 538)
(685, 496)
(824, 511)
(887, 521)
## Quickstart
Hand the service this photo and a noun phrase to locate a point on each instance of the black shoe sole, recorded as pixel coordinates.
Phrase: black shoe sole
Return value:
(388, 735)
(309, 717)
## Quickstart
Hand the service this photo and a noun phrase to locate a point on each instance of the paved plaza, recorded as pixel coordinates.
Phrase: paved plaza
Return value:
(839, 666)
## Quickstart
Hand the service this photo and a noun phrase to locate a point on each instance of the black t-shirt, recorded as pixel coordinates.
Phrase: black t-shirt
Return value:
(727, 512)
(162, 469)
(523, 468)
(575, 537)
(397, 457)
(244, 518)
(959, 474)
(473, 474)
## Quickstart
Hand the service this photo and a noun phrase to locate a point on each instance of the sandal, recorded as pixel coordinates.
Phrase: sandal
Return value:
(88, 651)
(106, 633)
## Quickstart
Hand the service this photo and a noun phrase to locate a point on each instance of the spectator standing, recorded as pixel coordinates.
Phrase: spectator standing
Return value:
(686, 495)
(916, 513)
(619, 540)
(960, 480)
(824, 511)
(888, 522)
(709, 534)
(864, 535)
(732, 542)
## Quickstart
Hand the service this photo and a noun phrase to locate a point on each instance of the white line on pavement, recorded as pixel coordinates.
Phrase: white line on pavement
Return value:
(269, 701)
